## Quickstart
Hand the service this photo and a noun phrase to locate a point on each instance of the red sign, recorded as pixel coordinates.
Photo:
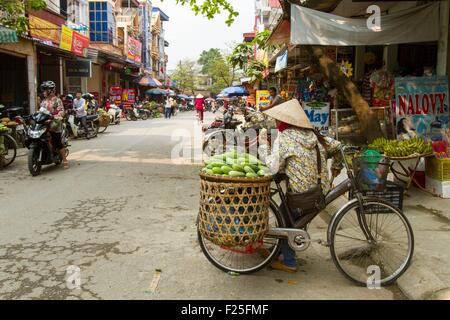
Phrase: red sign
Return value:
(128, 96)
(79, 44)
(115, 94)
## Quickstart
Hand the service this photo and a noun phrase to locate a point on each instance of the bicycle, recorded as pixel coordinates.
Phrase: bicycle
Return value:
(357, 235)
(9, 152)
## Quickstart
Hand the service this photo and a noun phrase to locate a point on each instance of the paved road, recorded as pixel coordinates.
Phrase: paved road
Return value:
(122, 211)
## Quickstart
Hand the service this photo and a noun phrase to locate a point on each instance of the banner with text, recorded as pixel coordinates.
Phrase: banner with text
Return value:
(318, 114)
(80, 44)
(424, 102)
(134, 50)
(66, 38)
(128, 96)
(44, 30)
(262, 99)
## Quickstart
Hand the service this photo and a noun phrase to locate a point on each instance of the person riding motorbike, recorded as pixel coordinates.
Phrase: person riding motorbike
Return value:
(81, 114)
(296, 152)
(54, 105)
(91, 105)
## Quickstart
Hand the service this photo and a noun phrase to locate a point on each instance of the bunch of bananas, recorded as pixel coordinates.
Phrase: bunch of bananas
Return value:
(401, 148)
(379, 144)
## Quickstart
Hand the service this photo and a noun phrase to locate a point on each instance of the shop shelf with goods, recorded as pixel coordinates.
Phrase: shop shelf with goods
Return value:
(345, 125)
(438, 169)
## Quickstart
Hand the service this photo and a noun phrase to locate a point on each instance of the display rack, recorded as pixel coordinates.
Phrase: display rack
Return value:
(345, 124)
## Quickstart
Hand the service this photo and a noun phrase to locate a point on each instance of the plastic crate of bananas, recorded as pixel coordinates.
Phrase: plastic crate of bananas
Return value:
(401, 148)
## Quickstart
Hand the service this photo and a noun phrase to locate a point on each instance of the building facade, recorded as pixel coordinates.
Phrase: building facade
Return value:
(159, 57)
(82, 45)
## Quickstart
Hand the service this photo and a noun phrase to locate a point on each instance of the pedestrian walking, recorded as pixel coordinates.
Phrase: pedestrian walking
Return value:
(167, 109)
(174, 105)
(200, 106)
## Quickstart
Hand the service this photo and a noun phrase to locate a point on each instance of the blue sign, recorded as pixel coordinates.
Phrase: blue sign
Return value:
(281, 62)
(318, 114)
(422, 106)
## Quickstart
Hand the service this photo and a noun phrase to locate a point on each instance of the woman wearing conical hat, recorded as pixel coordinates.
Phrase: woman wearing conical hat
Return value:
(294, 153)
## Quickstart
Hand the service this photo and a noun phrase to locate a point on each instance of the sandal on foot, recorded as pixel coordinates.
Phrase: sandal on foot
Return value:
(278, 265)
(66, 164)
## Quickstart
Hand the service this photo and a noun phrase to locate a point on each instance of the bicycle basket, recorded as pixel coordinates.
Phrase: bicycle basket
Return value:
(371, 172)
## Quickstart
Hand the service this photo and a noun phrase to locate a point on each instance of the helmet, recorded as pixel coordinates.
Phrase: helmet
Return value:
(87, 96)
(47, 85)
(69, 97)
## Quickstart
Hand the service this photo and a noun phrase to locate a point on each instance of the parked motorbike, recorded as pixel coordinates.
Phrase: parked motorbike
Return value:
(38, 142)
(220, 133)
(137, 112)
(77, 131)
(115, 113)
(21, 129)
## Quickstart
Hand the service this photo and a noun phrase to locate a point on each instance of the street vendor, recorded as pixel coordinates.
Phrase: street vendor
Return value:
(294, 153)
(274, 98)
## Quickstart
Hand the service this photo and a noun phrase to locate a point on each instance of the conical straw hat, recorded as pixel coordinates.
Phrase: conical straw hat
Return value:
(290, 112)
(199, 96)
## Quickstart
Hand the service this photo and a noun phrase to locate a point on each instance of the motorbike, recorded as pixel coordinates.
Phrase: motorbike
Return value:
(38, 141)
(115, 113)
(137, 112)
(21, 129)
(190, 106)
(76, 130)
(220, 133)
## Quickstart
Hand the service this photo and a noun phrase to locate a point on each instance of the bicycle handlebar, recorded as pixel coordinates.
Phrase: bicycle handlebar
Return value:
(348, 148)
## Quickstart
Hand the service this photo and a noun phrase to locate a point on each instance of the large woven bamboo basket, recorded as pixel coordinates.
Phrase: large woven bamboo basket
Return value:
(234, 211)
(103, 120)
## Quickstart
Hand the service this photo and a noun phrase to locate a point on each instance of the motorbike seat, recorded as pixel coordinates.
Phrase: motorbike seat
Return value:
(92, 117)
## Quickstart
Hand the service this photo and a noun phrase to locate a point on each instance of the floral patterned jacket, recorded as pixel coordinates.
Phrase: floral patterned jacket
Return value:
(295, 154)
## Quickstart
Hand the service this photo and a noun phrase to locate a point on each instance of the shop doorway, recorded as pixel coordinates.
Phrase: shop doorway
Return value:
(49, 69)
(14, 82)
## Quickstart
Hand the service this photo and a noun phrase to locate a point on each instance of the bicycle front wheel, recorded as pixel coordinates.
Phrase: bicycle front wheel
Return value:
(246, 259)
(374, 246)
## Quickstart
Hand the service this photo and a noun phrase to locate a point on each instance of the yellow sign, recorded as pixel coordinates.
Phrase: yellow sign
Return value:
(43, 29)
(262, 99)
(66, 38)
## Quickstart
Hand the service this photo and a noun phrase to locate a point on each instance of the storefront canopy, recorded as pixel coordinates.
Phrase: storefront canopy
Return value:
(7, 35)
(156, 92)
(148, 81)
(312, 27)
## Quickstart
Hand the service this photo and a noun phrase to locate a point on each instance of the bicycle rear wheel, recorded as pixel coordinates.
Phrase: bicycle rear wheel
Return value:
(247, 259)
(387, 251)
(9, 152)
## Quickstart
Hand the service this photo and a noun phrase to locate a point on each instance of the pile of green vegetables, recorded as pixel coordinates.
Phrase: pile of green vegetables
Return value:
(235, 164)
(3, 128)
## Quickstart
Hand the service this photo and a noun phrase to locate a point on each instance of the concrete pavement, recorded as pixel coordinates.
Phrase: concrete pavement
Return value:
(124, 210)
(428, 277)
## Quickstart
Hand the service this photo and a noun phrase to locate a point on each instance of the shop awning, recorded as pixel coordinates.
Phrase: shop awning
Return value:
(7, 35)
(148, 81)
(281, 33)
(312, 27)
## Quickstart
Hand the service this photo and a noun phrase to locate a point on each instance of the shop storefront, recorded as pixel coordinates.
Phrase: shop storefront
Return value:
(402, 75)
(17, 79)
(372, 60)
